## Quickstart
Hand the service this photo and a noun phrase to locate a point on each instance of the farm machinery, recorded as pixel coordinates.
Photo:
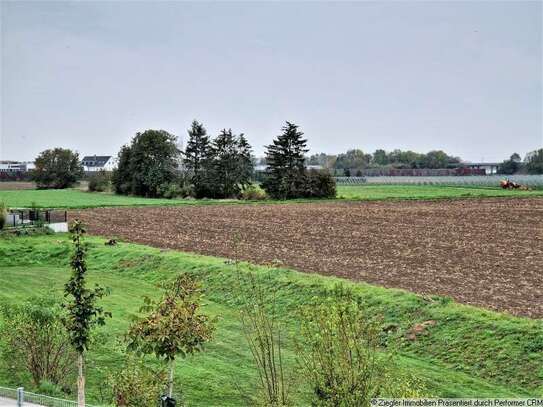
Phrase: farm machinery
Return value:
(507, 184)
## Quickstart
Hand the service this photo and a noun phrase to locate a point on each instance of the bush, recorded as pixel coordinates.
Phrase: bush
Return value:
(265, 336)
(35, 342)
(3, 214)
(320, 184)
(34, 231)
(136, 385)
(342, 355)
(50, 389)
(253, 193)
(169, 191)
(175, 190)
(99, 182)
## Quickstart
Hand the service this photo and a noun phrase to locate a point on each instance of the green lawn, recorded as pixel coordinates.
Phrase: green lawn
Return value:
(469, 352)
(379, 192)
(74, 198)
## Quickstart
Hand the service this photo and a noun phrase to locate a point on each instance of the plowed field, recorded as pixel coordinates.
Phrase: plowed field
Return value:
(486, 252)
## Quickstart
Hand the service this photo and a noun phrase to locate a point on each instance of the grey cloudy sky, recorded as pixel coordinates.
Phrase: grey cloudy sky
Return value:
(465, 77)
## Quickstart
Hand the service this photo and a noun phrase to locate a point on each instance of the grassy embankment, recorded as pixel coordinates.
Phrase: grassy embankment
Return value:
(469, 352)
(75, 198)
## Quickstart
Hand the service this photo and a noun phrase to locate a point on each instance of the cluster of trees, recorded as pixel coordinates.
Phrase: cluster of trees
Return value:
(218, 168)
(532, 164)
(356, 159)
(221, 167)
(152, 166)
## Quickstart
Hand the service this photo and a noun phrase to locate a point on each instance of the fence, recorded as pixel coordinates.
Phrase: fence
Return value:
(472, 180)
(33, 217)
(25, 398)
(29, 399)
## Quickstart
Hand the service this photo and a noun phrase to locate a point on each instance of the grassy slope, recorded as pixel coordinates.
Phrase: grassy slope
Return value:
(470, 352)
(74, 198)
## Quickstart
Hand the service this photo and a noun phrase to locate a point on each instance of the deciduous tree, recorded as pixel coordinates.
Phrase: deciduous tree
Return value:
(147, 164)
(534, 162)
(174, 326)
(82, 309)
(353, 159)
(510, 166)
(57, 168)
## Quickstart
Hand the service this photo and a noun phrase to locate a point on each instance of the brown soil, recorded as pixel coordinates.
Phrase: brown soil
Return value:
(486, 252)
(16, 185)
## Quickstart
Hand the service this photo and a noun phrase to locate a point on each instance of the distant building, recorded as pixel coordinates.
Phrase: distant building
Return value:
(489, 168)
(16, 166)
(93, 163)
(263, 168)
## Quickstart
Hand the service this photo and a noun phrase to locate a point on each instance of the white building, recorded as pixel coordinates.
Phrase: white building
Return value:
(93, 163)
(16, 166)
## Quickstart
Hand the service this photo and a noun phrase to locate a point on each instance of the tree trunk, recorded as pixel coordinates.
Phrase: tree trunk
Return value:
(80, 381)
(170, 379)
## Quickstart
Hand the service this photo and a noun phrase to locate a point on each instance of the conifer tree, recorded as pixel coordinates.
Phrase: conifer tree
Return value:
(197, 159)
(286, 172)
(197, 150)
(245, 162)
(232, 164)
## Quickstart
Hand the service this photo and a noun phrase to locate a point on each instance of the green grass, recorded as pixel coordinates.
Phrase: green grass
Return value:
(380, 192)
(469, 352)
(75, 198)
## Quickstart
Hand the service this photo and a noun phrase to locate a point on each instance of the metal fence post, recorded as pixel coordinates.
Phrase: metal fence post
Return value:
(20, 396)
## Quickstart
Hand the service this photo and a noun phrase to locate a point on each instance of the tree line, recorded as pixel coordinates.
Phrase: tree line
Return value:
(220, 167)
(356, 159)
(532, 164)
(224, 166)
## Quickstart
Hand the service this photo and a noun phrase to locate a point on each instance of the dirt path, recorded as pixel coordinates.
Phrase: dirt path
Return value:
(486, 252)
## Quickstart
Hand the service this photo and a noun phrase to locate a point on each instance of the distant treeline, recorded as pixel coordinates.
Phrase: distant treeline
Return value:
(356, 159)
(532, 164)
(382, 161)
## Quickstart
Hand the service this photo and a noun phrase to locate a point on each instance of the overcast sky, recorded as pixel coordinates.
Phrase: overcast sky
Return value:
(465, 77)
